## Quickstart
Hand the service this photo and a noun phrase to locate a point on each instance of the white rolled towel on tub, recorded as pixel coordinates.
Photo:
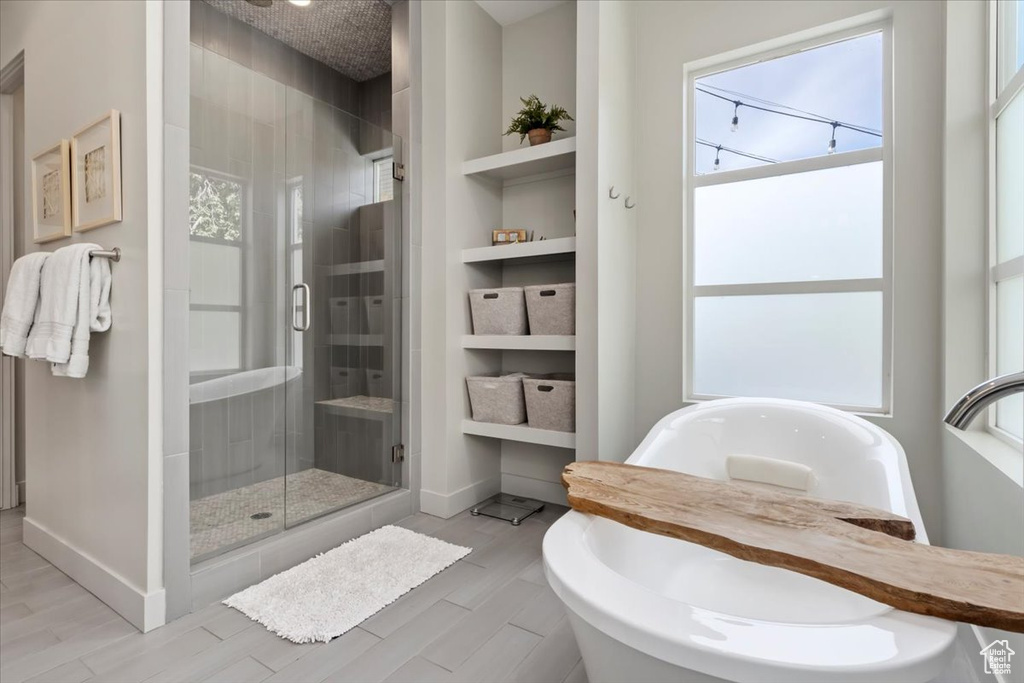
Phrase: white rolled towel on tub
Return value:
(757, 468)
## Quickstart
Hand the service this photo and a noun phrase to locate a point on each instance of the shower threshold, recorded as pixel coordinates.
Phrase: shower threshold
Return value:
(234, 518)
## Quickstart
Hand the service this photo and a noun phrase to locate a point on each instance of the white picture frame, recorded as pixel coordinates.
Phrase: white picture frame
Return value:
(51, 193)
(96, 173)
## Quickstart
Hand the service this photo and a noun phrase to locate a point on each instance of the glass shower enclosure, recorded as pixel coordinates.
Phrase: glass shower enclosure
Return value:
(295, 307)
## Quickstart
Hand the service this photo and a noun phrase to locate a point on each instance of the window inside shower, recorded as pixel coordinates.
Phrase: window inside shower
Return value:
(295, 290)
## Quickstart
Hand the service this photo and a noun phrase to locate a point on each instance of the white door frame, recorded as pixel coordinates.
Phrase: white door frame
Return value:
(11, 78)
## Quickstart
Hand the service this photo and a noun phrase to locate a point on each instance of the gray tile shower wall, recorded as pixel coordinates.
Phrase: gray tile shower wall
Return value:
(375, 101)
(236, 441)
(253, 49)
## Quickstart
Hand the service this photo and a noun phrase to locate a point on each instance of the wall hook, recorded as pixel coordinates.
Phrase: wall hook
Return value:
(611, 193)
(628, 205)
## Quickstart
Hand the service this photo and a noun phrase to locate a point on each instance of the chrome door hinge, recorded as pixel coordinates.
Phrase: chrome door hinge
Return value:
(398, 453)
(397, 171)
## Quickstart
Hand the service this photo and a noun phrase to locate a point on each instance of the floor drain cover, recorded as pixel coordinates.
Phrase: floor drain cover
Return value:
(260, 515)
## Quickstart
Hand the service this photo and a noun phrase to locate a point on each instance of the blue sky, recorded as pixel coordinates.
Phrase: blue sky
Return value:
(841, 81)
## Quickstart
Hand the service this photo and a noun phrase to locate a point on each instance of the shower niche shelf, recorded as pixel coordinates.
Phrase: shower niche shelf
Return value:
(511, 342)
(522, 433)
(357, 268)
(355, 340)
(364, 407)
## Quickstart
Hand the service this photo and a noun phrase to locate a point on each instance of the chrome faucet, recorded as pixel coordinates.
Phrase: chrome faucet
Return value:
(974, 401)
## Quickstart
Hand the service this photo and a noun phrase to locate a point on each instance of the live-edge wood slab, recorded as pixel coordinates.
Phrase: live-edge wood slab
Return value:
(862, 549)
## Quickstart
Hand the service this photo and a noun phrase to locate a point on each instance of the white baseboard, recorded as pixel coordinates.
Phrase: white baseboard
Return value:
(547, 491)
(447, 505)
(145, 611)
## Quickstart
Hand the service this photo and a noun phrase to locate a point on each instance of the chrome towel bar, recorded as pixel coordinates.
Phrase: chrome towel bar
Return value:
(112, 254)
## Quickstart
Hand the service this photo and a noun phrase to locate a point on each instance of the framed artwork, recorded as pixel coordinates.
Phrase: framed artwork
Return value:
(96, 173)
(51, 193)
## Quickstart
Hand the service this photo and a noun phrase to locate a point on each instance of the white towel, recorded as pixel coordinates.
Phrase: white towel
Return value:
(20, 303)
(93, 315)
(65, 308)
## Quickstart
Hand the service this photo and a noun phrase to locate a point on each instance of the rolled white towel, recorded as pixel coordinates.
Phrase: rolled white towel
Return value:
(21, 302)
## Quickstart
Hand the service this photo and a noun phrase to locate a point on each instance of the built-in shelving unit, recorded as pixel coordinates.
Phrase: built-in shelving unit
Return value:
(521, 433)
(557, 155)
(537, 194)
(510, 342)
(559, 248)
(493, 182)
(357, 268)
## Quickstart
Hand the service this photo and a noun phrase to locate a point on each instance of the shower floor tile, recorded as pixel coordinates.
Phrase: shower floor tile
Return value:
(225, 520)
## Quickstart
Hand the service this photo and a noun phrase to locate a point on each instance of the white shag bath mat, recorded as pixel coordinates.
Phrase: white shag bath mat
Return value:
(330, 594)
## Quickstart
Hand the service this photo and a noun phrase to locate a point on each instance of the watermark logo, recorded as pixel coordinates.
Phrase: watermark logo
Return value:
(997, 657)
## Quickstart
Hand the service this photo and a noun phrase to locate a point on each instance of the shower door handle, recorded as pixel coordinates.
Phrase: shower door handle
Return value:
(303, 325)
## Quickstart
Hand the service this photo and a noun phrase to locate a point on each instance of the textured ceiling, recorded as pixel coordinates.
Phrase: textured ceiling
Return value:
(350, 36)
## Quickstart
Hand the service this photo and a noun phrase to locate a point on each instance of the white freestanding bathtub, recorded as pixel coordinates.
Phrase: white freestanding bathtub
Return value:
(648, 608)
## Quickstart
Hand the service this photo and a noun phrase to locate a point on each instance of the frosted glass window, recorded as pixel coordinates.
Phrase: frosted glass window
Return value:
(1010, 350)
(1010, 180)
(215, 274)
(215, 207)
(214, 340)
(1010, 40)
(818, 225)
(383, 180)
(814, 347)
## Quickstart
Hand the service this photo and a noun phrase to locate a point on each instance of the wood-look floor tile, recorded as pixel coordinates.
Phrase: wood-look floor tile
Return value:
(494, 659)
(385, 657)
(65, 651)
(71, 672)
(541, 614)
(324, 658)
(552, 660)
(419, 670)
(246, 670)
(148, 664)
(454, 647)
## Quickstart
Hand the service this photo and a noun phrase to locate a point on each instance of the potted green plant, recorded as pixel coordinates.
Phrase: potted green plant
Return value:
(537, 121)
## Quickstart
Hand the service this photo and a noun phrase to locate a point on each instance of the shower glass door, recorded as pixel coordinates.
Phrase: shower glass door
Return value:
(294, 307)
(343, 265)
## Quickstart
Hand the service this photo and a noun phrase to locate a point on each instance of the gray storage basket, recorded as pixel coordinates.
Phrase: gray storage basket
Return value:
(374, 307)
(345, 382)
(498, 311)
(552, 308)
(551, 402)
(497, 399)
(346, 312)
(376, 383)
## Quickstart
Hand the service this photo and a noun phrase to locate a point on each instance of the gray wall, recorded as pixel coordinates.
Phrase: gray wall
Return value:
(96, 478)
